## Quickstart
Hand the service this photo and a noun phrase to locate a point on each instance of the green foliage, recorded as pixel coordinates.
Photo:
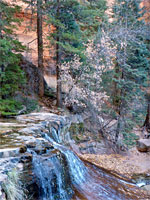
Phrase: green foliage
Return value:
(126, 83)
(75, 22)
(11, 79)
(30, 104)
(132, 52)
(12, 106)
(11, 76)
(129, 139)
(77, 128)
(77, 131)
(9, 107)
(50, 92)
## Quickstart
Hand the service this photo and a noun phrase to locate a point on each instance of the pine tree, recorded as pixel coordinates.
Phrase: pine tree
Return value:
(38, 10)
(131, 63)
(75, 22)
(11, 76)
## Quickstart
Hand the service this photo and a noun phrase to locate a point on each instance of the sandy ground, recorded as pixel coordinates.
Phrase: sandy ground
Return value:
(130, 164)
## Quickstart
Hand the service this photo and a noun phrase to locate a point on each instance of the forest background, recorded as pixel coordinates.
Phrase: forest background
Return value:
(100, 57)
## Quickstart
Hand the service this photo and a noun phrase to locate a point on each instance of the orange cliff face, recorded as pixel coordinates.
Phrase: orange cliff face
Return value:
(26, 34)
(146, 4)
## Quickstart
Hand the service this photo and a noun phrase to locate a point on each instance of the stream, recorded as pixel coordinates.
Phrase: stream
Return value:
(58, 173)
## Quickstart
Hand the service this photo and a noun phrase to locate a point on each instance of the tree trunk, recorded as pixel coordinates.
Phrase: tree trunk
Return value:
(147, 119)
(2, 67)
(116, 90)
(40, 47)
(59, 91)
(0, 27)
(117, 131)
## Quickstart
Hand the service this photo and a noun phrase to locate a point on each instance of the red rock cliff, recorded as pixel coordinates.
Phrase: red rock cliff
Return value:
(28, 35)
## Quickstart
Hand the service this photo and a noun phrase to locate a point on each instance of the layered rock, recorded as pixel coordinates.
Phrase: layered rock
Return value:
(31, 147)
(143, 145)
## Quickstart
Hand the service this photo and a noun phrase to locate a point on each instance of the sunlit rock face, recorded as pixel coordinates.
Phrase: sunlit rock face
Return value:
(146, 4)
(26, 33)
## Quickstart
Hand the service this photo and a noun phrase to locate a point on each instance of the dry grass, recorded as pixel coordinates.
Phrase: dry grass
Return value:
(13, 187)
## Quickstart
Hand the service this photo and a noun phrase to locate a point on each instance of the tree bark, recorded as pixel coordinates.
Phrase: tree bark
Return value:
(40, 47)
(116, 90)
(117, 130)
(59, 90)
(0, 26)
(2, 67)
(147, 119)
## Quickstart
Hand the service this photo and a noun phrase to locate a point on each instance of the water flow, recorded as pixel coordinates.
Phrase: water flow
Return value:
(89, 182)
(92, 183)
(50, 178)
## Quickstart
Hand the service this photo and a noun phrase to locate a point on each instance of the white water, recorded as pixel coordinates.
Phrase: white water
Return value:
(86, 181)
(92, 184)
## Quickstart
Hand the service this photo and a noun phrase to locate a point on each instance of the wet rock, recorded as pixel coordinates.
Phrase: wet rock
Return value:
(2, 194)
(26, 158)
(23, 149)
(146, 187)
(37, 117)
(3, 177)
(30, 130)
(20, 166)
(143, 145)
(31, 144)
(48, 146)
(12, 125)
(27, 139)
(51, 175)
(40, 150)
(12, 152)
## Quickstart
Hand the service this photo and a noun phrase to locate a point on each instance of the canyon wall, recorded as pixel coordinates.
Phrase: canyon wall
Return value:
(26, 33)
(146, 4)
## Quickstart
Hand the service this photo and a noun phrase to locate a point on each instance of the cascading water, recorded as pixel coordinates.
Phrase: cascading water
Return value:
(54, 172)
(57, 173)
(49, 173)
(91, 184)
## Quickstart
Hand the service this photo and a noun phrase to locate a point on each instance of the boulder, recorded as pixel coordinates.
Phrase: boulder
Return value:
(26, 158)
(143, 145)
(146, 187)
(9, 152)
(23, 149)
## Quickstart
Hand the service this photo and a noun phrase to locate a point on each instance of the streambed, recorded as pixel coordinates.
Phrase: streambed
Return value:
(50, 169)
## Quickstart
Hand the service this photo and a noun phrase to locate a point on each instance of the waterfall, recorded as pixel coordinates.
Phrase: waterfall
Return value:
(57, 174)
(87, 181)
(50, 177)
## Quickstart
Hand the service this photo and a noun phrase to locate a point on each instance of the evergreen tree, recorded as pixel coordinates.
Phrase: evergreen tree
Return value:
(75, 22)
(11, 75)
(38, 9)
(131, 63)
